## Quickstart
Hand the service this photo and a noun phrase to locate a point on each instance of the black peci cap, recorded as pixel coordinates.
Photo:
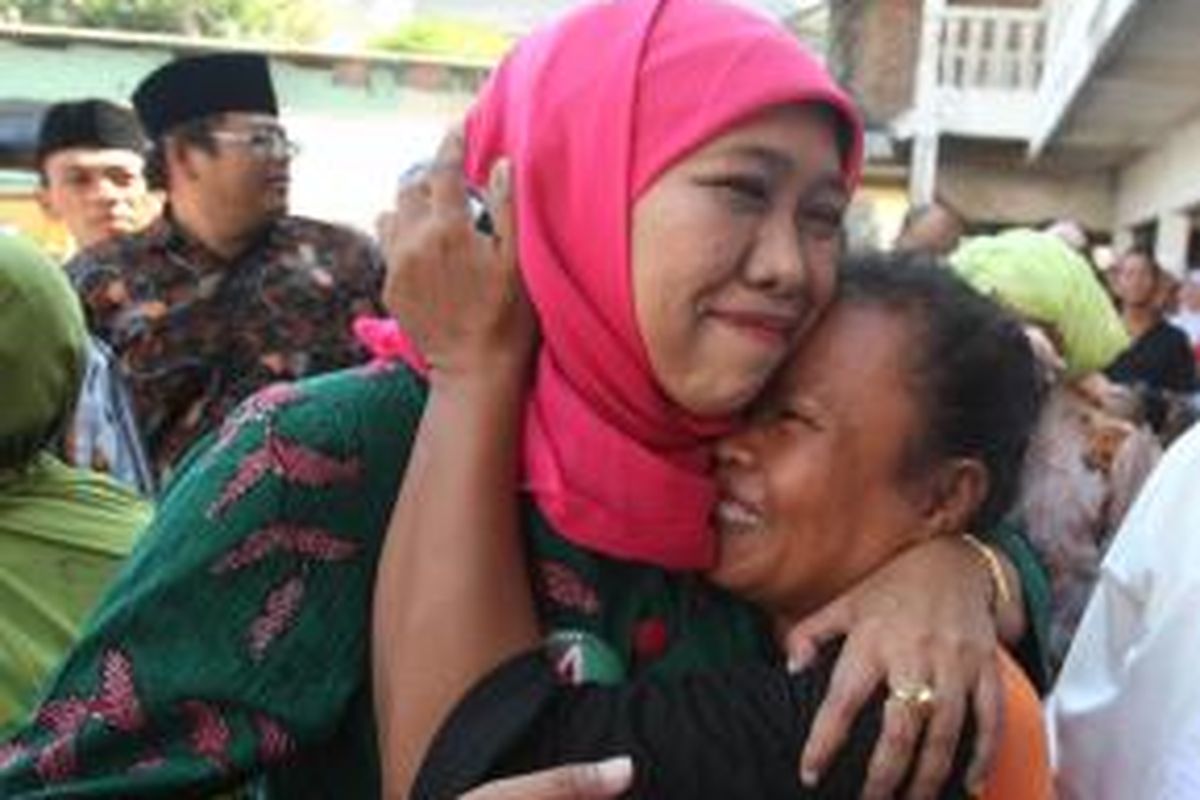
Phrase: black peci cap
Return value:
(95, 124)
(200, 86)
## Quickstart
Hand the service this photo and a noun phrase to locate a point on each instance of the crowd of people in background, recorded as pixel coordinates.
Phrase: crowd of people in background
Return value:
(642, 465)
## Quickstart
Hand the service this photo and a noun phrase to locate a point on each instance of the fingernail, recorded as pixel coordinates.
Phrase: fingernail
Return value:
(615, 774)
(499, 177)
(798, 663)
(809, 777)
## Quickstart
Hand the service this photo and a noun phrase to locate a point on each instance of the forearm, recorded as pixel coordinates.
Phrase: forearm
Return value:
(451, 599)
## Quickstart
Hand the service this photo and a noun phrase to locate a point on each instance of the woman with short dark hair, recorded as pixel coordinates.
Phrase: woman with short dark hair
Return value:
(904, 416)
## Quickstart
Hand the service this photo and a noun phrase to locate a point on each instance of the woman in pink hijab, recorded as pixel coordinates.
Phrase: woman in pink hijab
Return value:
(679, 170)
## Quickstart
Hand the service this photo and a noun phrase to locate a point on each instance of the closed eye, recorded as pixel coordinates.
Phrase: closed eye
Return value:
(746, 192)
(821, 222)
(800, 416)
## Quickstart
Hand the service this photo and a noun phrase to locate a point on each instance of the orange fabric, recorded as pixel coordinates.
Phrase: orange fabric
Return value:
(1022, 767)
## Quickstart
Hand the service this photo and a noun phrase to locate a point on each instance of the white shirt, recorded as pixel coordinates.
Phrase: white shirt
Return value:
(1124, 716)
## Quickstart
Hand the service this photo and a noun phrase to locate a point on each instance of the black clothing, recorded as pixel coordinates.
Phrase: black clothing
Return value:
(1159, 360)
(733, 734)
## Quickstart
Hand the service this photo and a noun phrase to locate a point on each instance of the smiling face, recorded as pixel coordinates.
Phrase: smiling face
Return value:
(734, 253)
(814, 493)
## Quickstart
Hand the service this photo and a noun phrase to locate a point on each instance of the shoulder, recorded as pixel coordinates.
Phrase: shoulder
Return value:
(306, 230)
(368, 410)
(1167, 333)
(91, 512)
(109, 259)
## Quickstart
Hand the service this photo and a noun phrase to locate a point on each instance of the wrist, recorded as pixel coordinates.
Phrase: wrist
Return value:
(496, 378)
(1003, 588)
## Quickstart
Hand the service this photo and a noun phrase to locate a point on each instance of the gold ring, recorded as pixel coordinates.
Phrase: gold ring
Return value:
(915, 695)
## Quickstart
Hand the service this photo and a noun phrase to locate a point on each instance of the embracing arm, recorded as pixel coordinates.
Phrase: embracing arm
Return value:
(451, 596)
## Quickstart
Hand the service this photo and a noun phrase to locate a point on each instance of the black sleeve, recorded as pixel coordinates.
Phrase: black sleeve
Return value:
(1180, 369)
(733, 734)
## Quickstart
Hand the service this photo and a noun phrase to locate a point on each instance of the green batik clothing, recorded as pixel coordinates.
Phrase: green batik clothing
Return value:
(63, 534)
(233, 647)
(194, 334)
(234, 642)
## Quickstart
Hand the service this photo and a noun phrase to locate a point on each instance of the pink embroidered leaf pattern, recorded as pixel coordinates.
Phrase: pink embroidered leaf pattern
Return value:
(209, 737)
(290, 461)
(257, 408)
(563, 586)
(56, 761)
(11, 753)
(115, 703)
(284, 537)
(118, 703)
(64, 716)
(279, 611)
(274, 742)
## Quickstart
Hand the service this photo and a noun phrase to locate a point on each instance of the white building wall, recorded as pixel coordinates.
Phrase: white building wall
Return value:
(1023, 196)
(1164, 179)
(1163, 184)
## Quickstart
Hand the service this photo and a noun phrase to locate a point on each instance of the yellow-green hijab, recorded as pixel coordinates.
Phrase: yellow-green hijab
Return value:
(42, 348)
(1041, 278)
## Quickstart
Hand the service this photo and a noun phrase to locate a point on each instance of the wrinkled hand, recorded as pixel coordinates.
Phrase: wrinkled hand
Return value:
(923, 619)
(457, 292)
(598, 781)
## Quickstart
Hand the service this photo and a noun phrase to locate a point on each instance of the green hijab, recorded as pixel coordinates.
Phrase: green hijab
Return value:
(42, 348)
(1041, 278)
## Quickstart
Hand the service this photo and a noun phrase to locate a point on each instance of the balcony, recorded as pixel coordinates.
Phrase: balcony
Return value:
(986, 68)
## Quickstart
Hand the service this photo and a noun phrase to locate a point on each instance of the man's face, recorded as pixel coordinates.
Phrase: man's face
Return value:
(246, 178)
(96, 193)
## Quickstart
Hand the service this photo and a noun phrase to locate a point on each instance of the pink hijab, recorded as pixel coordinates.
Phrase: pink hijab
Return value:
(590, 111)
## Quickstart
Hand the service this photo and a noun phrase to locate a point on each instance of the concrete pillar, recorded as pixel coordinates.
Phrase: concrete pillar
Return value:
(1122, 240)
(922, 174)
(1171, 247)
(922, 170)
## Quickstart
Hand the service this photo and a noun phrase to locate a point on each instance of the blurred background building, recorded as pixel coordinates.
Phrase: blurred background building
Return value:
(1023, 111)
(1012, 111)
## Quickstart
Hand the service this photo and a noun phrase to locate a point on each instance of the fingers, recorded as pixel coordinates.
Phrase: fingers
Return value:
(500, 208)
(941, 738)
(447, 184)
(989, 719)
(855, 678)
(596, 781)
(805, 639)
(902, 724)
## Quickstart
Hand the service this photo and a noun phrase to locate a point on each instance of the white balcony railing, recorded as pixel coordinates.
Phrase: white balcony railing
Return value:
(991, 48)
(980, 70)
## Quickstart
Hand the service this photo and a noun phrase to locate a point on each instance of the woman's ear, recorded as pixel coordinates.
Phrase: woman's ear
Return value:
(956, 491)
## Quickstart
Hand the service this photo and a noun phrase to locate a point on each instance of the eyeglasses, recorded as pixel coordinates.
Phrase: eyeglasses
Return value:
(264, 144)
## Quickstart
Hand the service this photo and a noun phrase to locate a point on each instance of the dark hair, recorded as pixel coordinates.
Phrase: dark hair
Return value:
(194, 133)
(972, 369)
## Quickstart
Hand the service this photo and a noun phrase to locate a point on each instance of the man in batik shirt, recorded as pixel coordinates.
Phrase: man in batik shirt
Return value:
(90, 160)
(226, 292)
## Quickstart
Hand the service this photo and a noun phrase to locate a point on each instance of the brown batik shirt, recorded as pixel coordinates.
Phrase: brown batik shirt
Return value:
(195, 334)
